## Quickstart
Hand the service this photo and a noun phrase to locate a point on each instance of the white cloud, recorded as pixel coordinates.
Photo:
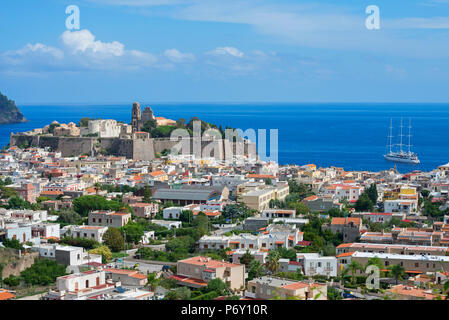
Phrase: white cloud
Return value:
(228, 51)
(84, 41)
(176, 56)
(40, 49)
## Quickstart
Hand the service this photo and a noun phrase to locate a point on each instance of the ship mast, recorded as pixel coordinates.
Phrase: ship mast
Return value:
(401, 135)
(409, 133)
(391, 132)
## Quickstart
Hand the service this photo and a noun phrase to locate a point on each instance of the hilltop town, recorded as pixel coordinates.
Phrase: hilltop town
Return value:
(176, 227)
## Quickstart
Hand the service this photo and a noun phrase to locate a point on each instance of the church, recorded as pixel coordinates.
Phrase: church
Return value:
(139, 118)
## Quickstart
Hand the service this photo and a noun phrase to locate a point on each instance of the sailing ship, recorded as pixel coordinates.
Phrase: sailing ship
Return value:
(401, 155)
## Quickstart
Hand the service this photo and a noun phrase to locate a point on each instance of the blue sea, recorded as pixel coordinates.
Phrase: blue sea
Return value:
(353, 136)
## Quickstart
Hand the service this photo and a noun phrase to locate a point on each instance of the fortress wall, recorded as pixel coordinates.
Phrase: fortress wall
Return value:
(137, 149)
(143, 149)
(49, 141)
(74, 146)
(17, 140)
(118, 147)
(160, 144)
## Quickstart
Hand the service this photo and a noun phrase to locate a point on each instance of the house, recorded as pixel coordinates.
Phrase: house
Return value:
(80, 286)
(258, 255)
(379, 217)
(197, 271)
(19, 231)
(172, 212)
(349, 192)
(278, 213)
(145, 210)
(67, 255)
(168, 224)
(126, 277)
(45, 230)
(349, 227)
(86, 232)
(403, 292)
(275, 236)
(109, 218)
(392, 248)
(315, 264)
(191, 194)
(413, 264)
(322, 204)
(6, 295)
(258, 196)
(267, 288)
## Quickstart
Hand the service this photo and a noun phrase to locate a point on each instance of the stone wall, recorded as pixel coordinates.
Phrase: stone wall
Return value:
(15, 265)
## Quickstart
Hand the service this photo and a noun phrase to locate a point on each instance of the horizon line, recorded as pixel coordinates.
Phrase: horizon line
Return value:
(222, 102)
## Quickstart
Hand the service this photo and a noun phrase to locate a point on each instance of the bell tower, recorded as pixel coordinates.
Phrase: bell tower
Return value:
(136, 117)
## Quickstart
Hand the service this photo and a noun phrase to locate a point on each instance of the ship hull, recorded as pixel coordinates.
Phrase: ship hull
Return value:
(401, 160)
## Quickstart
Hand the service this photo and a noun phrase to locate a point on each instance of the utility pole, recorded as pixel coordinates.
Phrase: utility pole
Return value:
(124, 249)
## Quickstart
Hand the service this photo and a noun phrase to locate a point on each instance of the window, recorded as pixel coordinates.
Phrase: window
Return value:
(93, 219)
(416, 264)
(387, 263)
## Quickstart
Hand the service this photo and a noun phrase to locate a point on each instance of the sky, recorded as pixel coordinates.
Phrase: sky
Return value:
(224, 51)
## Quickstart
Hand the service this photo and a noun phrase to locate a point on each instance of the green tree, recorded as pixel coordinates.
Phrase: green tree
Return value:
(372, 193)
(134, 232)
(353, 267)
(218, 286)
(182, 293)
(104, 251)
(364, 203)
(272, 261)
(69, 217)
(153, 281)
(147, 194)
(246, 258)
(397, 272)
(255, 269)
(83, 205)
(186, 216)
(149, 125)
(113, 239)
(13, 243)
(18, 203)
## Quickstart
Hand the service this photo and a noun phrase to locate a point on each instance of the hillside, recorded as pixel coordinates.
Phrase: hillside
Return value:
(9, 113)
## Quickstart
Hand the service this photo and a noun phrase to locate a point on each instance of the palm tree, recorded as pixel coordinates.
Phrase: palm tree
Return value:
(272, 262)
(97, 187)
(153, 281)
(353, 267)
(376, 261)
(255, 269)
(397, 271)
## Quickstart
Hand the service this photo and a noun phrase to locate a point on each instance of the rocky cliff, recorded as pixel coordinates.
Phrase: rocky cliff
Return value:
(9, 113)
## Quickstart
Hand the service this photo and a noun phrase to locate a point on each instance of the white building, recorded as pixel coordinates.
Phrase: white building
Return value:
(403, 206)
(87, 232)
(104, 128)
(315, 264)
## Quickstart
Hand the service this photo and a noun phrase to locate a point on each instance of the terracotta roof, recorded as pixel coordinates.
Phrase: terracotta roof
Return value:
(345, 254)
